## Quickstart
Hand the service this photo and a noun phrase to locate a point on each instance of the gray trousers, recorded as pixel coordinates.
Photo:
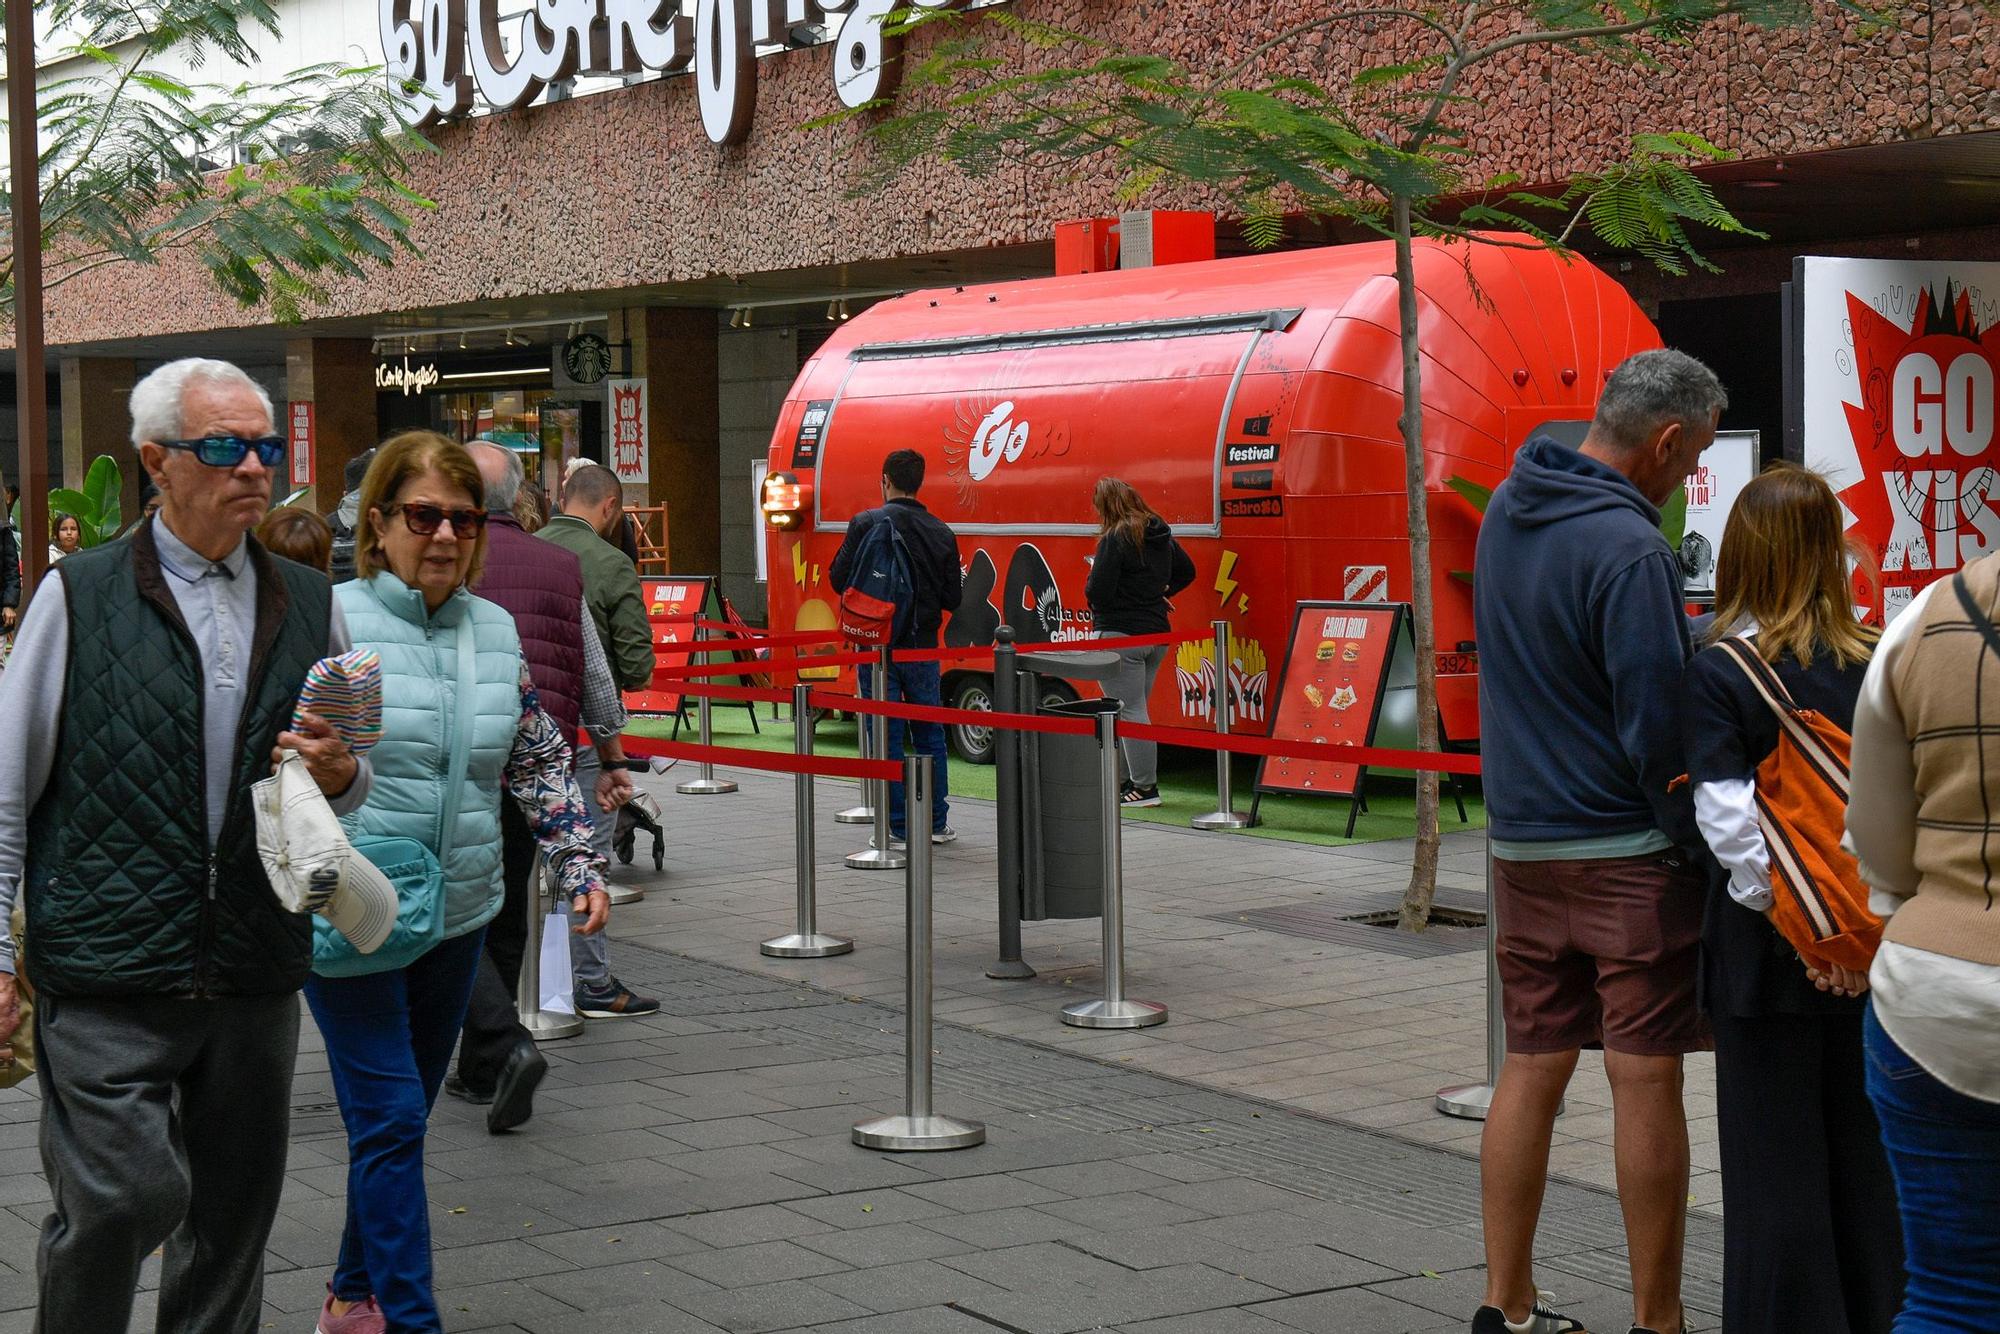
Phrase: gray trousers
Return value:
(587, 954)
(1130, 683)
(163, 1120)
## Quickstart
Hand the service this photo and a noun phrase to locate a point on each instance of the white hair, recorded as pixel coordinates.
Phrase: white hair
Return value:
(501, 491)
(156, 399)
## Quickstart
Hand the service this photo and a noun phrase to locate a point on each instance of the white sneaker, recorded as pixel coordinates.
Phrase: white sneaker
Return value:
(945, 835)
(895, 844)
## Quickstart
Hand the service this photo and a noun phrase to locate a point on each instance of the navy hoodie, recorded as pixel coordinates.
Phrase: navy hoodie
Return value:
(1582, 636)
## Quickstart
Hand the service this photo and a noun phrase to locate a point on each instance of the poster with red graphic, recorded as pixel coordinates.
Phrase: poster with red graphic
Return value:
(1330, 691)
(299, 442)
(1898, 361)
(628, 431)
(673, 604)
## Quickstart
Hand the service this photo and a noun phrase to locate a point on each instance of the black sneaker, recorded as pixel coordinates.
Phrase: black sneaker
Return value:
(1136, 796)
(1641, 1329)
(613, 1002)
(1541, 1320)
(513, 1100)
(464, 1092)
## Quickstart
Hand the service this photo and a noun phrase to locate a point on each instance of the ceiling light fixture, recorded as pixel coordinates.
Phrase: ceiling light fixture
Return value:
(736, 317)
(832, 311)
(845, 313)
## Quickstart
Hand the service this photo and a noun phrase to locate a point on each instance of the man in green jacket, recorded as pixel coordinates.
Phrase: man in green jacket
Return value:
(593, 505)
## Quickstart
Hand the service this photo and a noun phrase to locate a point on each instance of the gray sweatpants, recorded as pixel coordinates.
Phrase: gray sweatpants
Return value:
(1130, 683)
(587, 954)
(163, 1120)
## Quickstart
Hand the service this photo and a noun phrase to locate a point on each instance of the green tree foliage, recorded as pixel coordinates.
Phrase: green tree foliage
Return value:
(275, 188)
(96, 507)
(1387, 148)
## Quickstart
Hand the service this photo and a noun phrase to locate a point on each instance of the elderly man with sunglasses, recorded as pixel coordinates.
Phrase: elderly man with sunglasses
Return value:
(153, 681)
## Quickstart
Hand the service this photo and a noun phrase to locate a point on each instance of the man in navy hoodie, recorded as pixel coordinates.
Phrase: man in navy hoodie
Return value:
(1577, 606)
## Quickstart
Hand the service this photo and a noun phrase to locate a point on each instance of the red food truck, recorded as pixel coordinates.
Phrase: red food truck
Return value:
(1252, 401)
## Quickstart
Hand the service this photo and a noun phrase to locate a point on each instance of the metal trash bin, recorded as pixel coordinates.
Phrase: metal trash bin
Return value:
(1063, 861)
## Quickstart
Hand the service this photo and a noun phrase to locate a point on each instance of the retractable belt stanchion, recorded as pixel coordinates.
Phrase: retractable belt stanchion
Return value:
(542, 1025)
(707, 784)
(1225, 815)
(1007, 806)
(1114, 1011)
(918, 1127)
(1472, 1101)
(806, 942)
(879, 856)
(864, 813)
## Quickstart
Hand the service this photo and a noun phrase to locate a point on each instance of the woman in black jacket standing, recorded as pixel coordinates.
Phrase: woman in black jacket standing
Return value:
(1138, 566)
(1810, 1238)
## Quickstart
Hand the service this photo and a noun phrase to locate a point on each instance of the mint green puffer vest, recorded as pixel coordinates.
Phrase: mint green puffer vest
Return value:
(420, 700)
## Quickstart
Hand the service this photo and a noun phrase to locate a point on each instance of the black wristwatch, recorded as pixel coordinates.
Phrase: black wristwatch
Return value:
(618, 765)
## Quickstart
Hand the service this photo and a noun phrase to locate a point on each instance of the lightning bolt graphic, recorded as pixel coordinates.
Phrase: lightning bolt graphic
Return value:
(1223, 583)
(799, 564)
(1243, 603)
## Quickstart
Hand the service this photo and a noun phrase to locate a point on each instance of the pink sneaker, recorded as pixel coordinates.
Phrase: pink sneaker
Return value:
(364, 1317)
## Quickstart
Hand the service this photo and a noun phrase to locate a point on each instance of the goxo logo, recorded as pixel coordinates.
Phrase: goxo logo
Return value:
(999, 438)
(1934, 402)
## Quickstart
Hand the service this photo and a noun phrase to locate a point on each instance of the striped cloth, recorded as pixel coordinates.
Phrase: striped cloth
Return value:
(346, 690)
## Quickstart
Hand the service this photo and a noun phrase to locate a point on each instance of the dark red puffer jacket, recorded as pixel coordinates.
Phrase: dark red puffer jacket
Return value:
(541, 586)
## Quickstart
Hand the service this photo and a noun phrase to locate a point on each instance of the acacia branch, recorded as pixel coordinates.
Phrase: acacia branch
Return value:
(1291, 34)
(1600, 32)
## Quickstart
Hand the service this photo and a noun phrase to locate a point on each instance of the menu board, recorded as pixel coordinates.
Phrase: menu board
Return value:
(1330, 691)
(673, 604)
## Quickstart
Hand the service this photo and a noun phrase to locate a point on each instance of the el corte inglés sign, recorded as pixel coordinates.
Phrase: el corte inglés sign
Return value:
(438, 52)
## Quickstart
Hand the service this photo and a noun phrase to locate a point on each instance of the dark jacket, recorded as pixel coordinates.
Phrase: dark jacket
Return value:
(542, 589)
(10, 566)
(1747, 968)
(933, 564)
(1129, 586)
(1582, 638)
(124, 897)
(346, 517)
(617, 603)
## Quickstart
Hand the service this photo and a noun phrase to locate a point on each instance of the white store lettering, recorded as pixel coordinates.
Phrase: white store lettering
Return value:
(427, 44)
(410, 379)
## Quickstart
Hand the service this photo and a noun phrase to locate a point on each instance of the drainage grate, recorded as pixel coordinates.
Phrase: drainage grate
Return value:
(1458, 925)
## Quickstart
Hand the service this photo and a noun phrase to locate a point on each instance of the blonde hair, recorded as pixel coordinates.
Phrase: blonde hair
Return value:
(1783, 567)
(399, 459)
(1121, 507)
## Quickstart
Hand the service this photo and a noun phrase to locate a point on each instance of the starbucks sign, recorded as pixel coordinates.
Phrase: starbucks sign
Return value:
(440, 53)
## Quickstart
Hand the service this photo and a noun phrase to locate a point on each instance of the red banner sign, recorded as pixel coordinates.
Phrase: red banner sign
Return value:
(299, 443)
(673, 604)
(1330, 692)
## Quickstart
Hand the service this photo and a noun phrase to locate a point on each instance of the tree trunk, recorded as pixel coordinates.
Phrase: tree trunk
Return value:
(1416, 911)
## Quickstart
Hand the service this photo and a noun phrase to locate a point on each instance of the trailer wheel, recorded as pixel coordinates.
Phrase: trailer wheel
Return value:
(974, 744)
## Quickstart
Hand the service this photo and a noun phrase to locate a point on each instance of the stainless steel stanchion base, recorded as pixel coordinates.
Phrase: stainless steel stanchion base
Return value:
(547, 1026)
(1009, 970)
(704, 787)
(908, 1134)
(1468, 1102)
(815, 946)
(1220, 820)
(877, 859)
(625, 894)
(855, 815)
(1114, 1014)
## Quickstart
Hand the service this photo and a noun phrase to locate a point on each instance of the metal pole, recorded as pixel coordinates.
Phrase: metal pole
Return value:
(1007, 806)
(30, 360)
(707, 784)
(542, 1025)
(1224, 816)
(806, 942)
(1471, 1101)
(918, 1127)
(1114, 1011)
(864, 731)
(878, 855)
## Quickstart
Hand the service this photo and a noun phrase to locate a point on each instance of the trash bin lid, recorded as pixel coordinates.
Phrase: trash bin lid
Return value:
(1078, 665)
(1081, 708)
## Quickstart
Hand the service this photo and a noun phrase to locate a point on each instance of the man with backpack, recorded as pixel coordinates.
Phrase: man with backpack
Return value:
(901, 564)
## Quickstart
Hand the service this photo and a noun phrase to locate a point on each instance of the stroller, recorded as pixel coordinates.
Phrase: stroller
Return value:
(642, 812)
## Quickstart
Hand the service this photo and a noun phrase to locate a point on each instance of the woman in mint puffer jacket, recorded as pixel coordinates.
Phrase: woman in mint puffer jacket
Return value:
(389, 1035)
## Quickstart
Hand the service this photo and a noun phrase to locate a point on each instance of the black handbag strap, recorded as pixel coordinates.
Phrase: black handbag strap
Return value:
(1973, 612)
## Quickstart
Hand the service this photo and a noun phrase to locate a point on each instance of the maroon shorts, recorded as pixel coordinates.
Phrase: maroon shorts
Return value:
(1600, 952)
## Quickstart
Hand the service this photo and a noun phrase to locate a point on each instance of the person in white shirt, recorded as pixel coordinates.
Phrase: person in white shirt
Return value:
(1924, 821)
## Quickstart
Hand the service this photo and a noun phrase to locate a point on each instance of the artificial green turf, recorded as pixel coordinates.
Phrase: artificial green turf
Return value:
(1187, 784)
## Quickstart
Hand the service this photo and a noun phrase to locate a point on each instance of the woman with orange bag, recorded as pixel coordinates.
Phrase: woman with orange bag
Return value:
(1809, 1209)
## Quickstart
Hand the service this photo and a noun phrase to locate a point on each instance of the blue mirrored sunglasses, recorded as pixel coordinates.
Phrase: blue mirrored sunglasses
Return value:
(226, 451)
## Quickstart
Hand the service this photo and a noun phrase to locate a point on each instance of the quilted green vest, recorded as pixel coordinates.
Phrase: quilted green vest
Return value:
(420, 703)
(123, 895)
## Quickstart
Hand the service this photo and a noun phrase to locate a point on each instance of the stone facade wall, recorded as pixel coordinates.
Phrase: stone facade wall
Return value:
(622, 189)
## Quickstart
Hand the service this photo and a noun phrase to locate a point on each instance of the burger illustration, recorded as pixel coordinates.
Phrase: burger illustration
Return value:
(1327, 648)
(1350, 652)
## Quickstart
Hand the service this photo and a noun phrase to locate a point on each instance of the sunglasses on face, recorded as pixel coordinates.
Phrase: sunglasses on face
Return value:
(226, 451)
(425, 520)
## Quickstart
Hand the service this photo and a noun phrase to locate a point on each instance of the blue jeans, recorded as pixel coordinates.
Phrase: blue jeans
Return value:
(914, 683)
(1944, 1150)
(389, 1038)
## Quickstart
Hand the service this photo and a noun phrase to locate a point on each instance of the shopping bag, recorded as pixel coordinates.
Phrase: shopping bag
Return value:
(558, 981)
